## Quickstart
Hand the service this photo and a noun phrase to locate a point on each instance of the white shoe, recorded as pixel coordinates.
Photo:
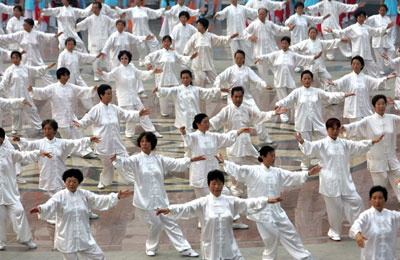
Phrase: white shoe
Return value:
(90, 155)
(236, 193)
(333, 236)
(142, 95)
(128, 135)
(150, 253)
(164, 115)
(93, 215)
(239, 225)
(303, 167)
(268, 140)
(100, 185)
(189, 252)
(382, 72)
(14, 132)
(96, 78)
(3, 246)
(157, 134)
(297, 69)
(199, 225)
(284, 118)
(51, 221)
(30, 244)
(20, 180)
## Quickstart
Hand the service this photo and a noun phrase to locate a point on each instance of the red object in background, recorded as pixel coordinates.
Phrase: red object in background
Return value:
(37, 14)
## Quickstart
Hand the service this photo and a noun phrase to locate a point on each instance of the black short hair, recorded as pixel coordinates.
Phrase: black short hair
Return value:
(298, 4)
(264, 151)
(166, 37)
(16, 53)
(102, 89)
(240, 52)
(120, 21)
(186, 72)
(215, 175)
(70, 39)
(265, 9)
(63, 71)
(149, 137)
(384, 6)
(17, 7)
(238, 88)
(313, 28)
(127, 53)
(98, 4)
(53, 123)
(378, 189)
(204, 22)
(184, 13)
(2, 133)
(76, 173)
(29, 21)
(286, 38)
(307, 72)
(360, 59)
(197, 119)
(332, 122)
(377, 97)
(360, 12)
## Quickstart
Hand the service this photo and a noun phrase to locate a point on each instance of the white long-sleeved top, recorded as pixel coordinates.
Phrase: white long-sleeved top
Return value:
(180, 36)
(382, 156)
(187, 101)
(72, 61)
(15, 25)
(395, 65)
(63, 100)
(360, 35)
(360, 84)
(171, 18)
(126, 79)
(266, 182)
(9, 193)
(52, 169)
(313, 47)
(235, 118)
(208, 143)
(236, 19)
(5, 9)
(72, 210)
(263, 31)
(283, 64)
(203, 44)
(308, 107)
(105, 10)
(140, 16)
(147, 172)
(242, 76)
(4, 55)
(10, 104)
(105, 121)
(98, 27)
(300, 31)
(216, 215)
(380, 228)
(381, 41)
(167, 60)
(267, 4)
(31, 42)
(334, 155)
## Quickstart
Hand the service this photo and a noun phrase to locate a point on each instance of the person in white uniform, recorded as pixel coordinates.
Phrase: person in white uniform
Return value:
(356, 82)
(236, 15)
(10, 201)
(265, 180)
(105, 9)
(62, 96)
(15, 24)
(5, 9)
(147, 170)
(182, 32)
(10, 104)
(127, 78)
(335, 182)
(307, 102)
(283, 63)
(394, 63)
(105, 120)
(216, 212)
(268, 5)
(382, 161)
(71, 206)
(376, 228)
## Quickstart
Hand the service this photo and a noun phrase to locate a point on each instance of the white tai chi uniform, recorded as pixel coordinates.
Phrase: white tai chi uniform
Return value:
(380, 227)
(358, 106)
(335, 182)
(147, 173)
(236, 22)
(180, 36)
(15, 84)
(10, 201)
(63, 101)
(31, 42)
(72, 210)
(140, 17)
(245, 77)
(360, 36)
(105, 10)
(66, 20)
(264, 44)
(9, 104)
(242, 151)
(395, 65)
(167, 61)
(5, 9)
(105, 121)
(381, 44)
(283, 64)
(216, 215)
(335, 9)
(271, 6)
(171, 18)
(313, 47)
(203, 64)
(187, 102)
(302, 22)
(15, 25)
(4, 56)
(381, 159)
(126, 80)
(273, 224)
(308, 119)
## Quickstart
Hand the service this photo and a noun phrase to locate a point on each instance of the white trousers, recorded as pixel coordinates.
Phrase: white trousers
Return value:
(263, 72)
(350, 206)
(107, 174)
(156, 224)
(98, 62)
(261, 130)
(285, 233)
(147, 47)
(74, 132)
(144, 121)
(244, 45)
(282, 93)
(320, 78)
(345, 48)
(164, 102)
(47, 79)
(378, 56)
(238, 187)
(308, 135)
(372, 68)
(393, 30)
(31, 113)
(381, 178)
(93, 253)
(200, 77)
(19, 222)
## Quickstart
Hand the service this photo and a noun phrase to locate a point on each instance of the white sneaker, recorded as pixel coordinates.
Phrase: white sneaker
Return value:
(51, 221)
(142, 95)
(128, 135)
(239, 225)
(236, 193)
(100, 185)
(14, 132)
(3, 246)
(297, 69)
(284, 118)
(268, 140)
(96, 78)
(150, 253)
(333, 236)
(199, 225)
(164, 115)
(303, 167)
(382, 72)
(189, 252)
(93, 215)
(157, 134)
(20, 180)
(30, 244)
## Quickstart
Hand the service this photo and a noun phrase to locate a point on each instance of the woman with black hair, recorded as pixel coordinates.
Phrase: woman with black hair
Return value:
(147, 170)
(72, 207)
